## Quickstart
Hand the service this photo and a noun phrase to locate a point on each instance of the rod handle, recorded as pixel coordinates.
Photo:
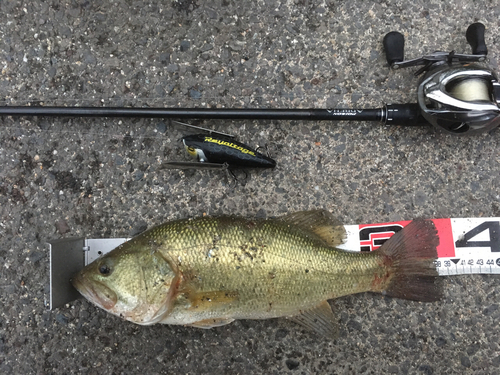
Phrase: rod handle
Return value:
(394, 46)
(475, 37)
(408, 114)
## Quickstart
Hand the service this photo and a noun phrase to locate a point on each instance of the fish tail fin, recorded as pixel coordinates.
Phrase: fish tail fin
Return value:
(411, 254)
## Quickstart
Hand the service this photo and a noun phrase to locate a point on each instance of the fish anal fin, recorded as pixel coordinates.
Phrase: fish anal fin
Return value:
(319, 319)
(321, 223)
(211, 323)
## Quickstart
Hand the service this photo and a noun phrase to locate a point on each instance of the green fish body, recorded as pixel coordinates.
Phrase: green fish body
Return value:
(207, 272)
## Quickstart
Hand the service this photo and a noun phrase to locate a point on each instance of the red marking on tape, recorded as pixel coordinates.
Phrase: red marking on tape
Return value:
(372, 235)
(384, 231)
(446, 247)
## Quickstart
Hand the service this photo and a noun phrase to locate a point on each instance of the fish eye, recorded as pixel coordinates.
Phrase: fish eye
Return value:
(191, 150)
(105, 269)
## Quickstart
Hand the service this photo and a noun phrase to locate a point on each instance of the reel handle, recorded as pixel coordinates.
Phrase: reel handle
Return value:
(475, 37)
(394, 46)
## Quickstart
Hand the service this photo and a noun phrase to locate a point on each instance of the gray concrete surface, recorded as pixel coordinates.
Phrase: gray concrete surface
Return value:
(99, 177)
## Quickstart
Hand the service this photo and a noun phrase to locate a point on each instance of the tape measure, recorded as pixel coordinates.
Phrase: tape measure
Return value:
(466, 246)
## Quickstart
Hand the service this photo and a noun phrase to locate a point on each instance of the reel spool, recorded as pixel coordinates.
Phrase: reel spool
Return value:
(460, 99)
(454, 94)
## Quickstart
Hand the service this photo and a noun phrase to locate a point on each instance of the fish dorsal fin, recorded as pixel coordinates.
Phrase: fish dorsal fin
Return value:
(319, 319)
(321, 223)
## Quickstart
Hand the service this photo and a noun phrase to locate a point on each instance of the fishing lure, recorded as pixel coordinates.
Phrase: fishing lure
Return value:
(219, 151)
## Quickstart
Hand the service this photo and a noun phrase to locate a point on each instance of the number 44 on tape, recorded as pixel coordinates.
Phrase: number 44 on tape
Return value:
(466, 246)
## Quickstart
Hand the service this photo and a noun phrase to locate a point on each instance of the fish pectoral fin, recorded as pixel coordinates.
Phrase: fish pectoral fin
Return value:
(211, 323)
(321, 223)
(208, 299)
(319, 319)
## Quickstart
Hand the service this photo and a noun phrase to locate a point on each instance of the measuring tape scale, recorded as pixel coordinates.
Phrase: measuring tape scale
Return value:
(466, 245)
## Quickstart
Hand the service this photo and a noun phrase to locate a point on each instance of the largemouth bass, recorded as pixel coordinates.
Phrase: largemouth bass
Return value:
(207, 272)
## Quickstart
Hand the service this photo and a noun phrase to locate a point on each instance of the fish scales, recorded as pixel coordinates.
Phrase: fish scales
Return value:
(273, 269)
(209, 271)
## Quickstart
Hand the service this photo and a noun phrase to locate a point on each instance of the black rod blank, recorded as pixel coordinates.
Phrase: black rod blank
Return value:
(209, 113)
(391, 114)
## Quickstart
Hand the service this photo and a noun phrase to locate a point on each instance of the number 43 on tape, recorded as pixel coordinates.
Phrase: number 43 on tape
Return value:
(466, 246)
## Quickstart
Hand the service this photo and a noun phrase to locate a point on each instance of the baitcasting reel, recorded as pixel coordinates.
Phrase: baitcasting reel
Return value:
(454, 94)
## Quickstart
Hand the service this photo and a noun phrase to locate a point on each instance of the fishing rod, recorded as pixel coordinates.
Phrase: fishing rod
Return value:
(455, 95)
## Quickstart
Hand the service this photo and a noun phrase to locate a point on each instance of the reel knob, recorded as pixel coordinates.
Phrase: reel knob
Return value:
(394, 46)
(475, 37)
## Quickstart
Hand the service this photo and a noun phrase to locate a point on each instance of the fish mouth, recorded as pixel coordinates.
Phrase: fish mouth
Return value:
(95, 291)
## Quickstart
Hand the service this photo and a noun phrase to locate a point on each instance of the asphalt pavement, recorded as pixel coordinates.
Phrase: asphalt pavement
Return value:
(101, 177)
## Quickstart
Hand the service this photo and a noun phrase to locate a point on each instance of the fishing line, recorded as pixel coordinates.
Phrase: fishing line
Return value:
(471, 90)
